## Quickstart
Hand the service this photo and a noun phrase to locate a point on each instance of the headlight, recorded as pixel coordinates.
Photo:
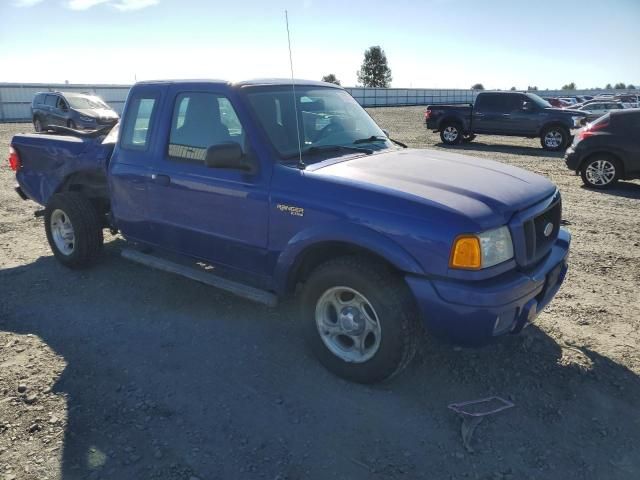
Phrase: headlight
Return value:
(473, 252)
(86, 119)
(577, 121)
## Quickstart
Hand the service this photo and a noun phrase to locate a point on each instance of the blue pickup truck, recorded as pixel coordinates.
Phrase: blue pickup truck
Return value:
(292, 189)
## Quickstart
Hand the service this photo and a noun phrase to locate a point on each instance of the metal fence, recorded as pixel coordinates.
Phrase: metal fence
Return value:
(15, 98)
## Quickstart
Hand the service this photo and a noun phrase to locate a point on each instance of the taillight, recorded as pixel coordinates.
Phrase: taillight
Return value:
(427, 114)
(591, 129)
(14, 159)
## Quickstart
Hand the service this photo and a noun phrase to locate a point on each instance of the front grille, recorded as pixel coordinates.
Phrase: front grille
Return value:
(537, 243)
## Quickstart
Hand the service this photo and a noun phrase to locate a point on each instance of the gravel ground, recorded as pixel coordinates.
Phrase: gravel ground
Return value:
(121, 372)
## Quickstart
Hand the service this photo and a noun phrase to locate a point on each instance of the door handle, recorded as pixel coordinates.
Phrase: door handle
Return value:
(479, 114)
(506, 114)
(163, 180)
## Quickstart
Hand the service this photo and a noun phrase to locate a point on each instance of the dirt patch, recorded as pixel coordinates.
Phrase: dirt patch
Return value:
(123, 372)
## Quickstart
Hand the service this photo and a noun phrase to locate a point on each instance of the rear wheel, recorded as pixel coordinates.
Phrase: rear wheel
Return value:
(71, 124)
(37, 124)
(359, 319)
(450, 134)
(600, 171)
(73, 229)
(554, 138)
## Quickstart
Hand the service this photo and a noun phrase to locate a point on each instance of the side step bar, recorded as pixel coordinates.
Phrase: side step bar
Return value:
(236, 288)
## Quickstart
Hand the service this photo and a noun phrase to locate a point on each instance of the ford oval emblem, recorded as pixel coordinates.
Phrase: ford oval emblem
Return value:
(548, 228)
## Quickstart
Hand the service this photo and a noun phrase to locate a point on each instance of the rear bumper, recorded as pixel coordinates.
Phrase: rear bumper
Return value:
(20, 193)
(572, 159)
(474, 313)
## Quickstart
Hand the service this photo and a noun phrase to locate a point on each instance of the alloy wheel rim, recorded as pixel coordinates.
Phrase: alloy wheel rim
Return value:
(553, 139)
(348, 324)
(450, 134)
(62, 232)
(600, 172)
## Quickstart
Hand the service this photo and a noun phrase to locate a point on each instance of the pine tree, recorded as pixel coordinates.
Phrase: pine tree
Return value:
(374, 71)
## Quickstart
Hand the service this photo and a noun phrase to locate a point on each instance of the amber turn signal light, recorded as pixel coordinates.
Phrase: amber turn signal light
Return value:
(466, 253)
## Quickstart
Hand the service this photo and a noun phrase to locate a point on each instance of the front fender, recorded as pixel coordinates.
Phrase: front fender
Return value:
(343, 232)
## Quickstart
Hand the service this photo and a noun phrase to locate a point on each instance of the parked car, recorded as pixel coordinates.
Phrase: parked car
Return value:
(595, 109)
(72, 110)
(569, 100)
(607, 150)
(505, 113)
(379, 239)
(629, 101)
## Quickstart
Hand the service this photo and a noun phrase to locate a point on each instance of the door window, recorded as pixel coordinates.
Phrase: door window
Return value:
(61, 104)
(490, 102)
(201, 120)
(137, 122)
(51, 100)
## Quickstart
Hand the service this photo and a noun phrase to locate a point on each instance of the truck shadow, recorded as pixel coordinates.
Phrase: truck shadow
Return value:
(508, 149)
(166, 378)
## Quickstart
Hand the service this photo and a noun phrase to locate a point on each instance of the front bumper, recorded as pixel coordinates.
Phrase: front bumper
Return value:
(473, 313)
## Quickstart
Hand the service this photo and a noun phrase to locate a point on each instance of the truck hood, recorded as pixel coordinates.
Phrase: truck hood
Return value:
(487, 192)
(568, 111)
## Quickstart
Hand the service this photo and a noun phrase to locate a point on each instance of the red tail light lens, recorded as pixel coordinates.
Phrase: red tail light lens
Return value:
(592, 128)
(14, 159)
(427, 114)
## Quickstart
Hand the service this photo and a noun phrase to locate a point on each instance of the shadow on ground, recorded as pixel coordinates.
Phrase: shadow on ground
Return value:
(167, 378)
(620, 189)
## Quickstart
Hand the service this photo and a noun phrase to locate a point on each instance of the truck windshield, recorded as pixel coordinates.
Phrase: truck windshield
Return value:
(327, 117)
(538, 101)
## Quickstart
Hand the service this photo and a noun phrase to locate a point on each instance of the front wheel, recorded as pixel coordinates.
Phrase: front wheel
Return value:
(359, 319)
(554, 138)
(600, 171)
(73, 229)
(450, 134)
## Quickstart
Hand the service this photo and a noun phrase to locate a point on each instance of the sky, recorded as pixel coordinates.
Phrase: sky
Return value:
(428, 43)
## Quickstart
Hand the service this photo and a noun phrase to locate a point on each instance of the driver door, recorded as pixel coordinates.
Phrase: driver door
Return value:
(216, 214)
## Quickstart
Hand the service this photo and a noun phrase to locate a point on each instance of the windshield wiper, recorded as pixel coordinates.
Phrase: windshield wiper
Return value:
(330, 148)
(378, 138)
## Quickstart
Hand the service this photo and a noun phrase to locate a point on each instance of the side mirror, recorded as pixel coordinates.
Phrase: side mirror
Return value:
(386, 132)
(527, 106)
(228, 155)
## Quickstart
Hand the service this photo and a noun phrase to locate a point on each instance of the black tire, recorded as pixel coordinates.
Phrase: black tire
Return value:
(468, 137)
(601, 175)
(37, 124)
(554, 138)
(392, 304)
(451, 133)
(87, 229)
(71, 124)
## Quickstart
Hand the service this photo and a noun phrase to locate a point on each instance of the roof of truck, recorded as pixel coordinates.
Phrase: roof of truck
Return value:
(244, 83)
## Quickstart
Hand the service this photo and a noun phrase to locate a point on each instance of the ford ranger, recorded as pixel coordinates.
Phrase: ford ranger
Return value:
(505, 113)
(271, 188)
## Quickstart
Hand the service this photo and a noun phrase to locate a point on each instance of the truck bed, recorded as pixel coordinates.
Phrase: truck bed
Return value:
(48, 161)
(435, 114)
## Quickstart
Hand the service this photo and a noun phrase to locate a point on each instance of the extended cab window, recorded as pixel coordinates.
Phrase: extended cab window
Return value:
(490, 102)
(201, 120)
(51, 100)
(137, 122)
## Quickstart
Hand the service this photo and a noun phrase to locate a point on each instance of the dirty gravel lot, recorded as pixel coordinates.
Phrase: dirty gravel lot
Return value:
(121, 372)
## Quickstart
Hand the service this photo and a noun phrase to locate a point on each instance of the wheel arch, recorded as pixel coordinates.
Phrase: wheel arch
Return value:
(309, 249)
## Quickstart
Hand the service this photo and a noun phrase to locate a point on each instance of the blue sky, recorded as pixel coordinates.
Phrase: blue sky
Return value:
(429, 43)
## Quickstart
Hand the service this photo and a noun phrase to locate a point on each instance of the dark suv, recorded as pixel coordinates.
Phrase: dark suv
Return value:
(74, 110)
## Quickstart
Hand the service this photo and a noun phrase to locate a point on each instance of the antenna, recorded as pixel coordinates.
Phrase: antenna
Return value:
(301, 164)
